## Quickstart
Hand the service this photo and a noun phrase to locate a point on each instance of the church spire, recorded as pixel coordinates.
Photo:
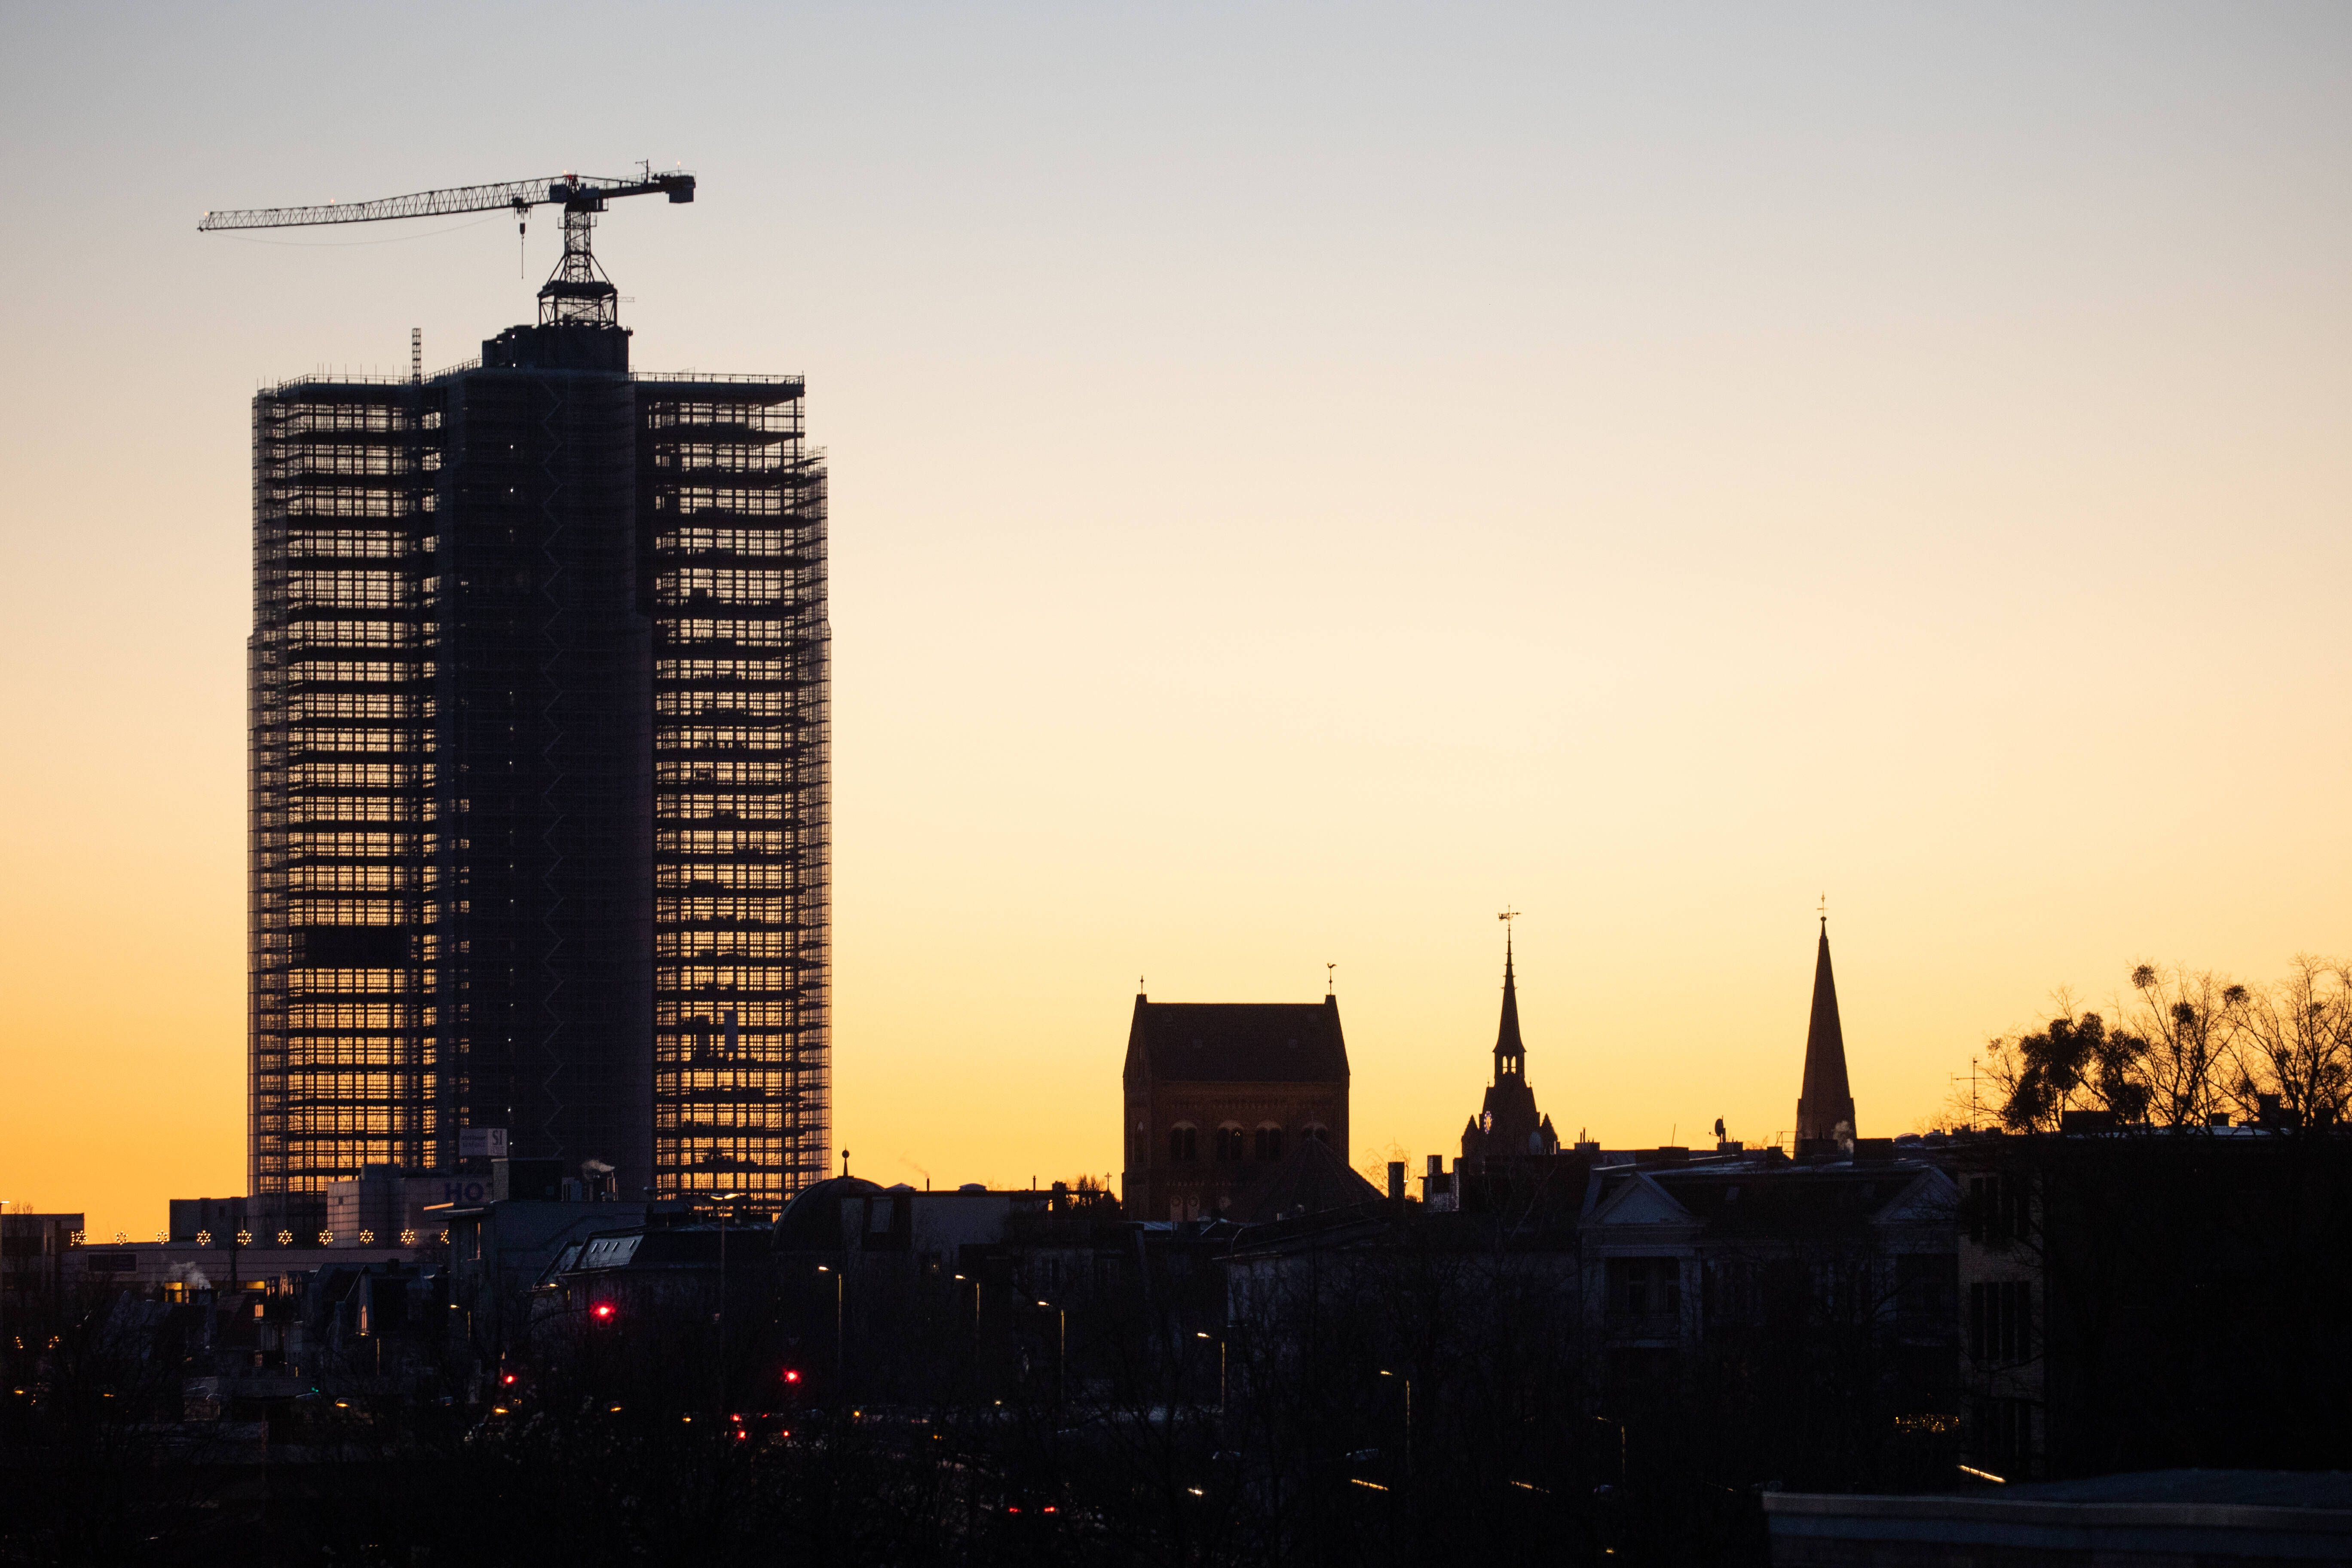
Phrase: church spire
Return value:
(1510, 1055)
(1825, 1100)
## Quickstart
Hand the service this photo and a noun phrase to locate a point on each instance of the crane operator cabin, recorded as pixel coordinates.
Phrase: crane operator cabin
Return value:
(539, 774)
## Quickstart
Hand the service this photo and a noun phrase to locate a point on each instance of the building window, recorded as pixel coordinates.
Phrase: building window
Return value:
(1184, 1143)
(1927, 1291)
(2001, 1321)
(2004, 1433)
(1645, 1287)
(1998, 1210)
(1318, 1132)
(1269, 1143)
(1229, 1144)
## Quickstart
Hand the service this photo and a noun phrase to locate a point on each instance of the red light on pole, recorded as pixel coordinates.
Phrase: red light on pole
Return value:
(604, 1309)
(791, 1377)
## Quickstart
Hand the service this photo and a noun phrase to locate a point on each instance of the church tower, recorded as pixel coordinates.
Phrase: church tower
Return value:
(1825, 1104)
(1510, 1124)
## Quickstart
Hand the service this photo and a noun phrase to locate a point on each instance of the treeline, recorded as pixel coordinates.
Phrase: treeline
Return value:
(2184, 1048)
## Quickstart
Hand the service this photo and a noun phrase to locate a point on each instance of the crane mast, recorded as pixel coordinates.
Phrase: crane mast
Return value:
(576, 293)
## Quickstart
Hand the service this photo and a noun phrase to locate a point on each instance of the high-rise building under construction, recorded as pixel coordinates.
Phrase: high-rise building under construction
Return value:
(540, 807)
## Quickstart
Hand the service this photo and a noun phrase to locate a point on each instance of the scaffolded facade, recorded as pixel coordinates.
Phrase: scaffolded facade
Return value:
(541, 810)
(342, 1032)
(733, 511)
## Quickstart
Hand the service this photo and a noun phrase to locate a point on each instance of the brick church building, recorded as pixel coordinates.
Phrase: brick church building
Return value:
(1236, 1110)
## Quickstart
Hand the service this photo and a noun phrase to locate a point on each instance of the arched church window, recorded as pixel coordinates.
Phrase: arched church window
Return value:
(1317, 1131)
(1229, 1144)
(1184, 1143)
(1269, 1143)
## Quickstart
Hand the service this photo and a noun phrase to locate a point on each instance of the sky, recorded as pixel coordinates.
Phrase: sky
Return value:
(1303, 479)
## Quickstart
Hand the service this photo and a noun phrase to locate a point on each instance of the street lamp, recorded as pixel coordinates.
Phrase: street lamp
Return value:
(975, 1284)
(1620, 1447)
(822, 1268)
(1408, 1424)
(719, 1317)
(1221, 1367)
(1061, 1353)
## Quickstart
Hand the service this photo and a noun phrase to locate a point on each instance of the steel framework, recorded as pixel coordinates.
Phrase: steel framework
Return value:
(734, 505)
(540, 752)
(342, 972)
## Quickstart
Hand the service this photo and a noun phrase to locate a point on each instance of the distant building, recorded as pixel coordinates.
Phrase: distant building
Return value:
(1509, 1123)
(2144, 1298)
(33, 1249)
(538, 801)
(1218, 1094)
(1825, 1103)
(1782, 1268)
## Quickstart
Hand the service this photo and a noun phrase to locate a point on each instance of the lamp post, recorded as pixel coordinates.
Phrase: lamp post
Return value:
(1221, 1370)
(975, 1314)
(822, 1268)
(1407, 1426)
(719, 1317)
(1620, 1447)
(1061, 1354)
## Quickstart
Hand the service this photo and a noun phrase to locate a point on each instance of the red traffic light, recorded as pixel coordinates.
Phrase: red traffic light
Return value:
(508, 1378)
(604, 1309)
(790, 1376)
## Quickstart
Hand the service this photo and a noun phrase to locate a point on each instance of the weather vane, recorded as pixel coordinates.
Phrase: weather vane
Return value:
(1825, 908)
(1330, 980)
(1509, 914)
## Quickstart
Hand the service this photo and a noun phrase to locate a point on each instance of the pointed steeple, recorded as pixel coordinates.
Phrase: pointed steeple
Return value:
(1510, 1055)
(1825, 1100)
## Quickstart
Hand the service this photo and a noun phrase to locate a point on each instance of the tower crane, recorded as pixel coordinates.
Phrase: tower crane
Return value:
(576, 293)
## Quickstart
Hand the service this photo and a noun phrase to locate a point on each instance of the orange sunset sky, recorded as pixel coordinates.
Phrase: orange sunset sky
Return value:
(1304, 477)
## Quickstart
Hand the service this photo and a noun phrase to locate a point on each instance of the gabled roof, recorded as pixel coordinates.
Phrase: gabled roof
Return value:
(1636, 1199)
(1262, 1042)
(1791, 1203)
(1310, 1178)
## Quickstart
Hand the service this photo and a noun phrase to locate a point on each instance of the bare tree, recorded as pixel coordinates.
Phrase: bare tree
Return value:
(2185, 1025)
(2168, 1061)
(2073, 1063)
(2293, 1040)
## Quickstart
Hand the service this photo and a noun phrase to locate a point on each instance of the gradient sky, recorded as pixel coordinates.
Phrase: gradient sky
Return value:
(1302, 479)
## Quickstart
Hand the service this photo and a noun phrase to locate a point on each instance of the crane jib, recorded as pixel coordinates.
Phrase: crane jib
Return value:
(577, 191)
